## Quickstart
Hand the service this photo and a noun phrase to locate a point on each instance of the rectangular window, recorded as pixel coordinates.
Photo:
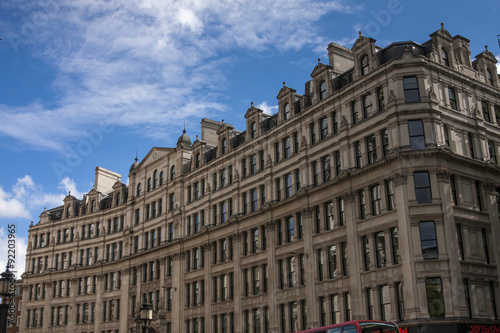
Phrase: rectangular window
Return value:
(335, 309)
(315, 172)
(340, 207)
(286, 147)
(453, 98)
(253, 164)
(332, 261)
(320, 263)
(400, 301)
(367, 106)
(395, 246)
(329, 221)
(369, 303)
(435, 300)
(277, 183)
(354, 113)
(325, 162)
(376, 200)
(335, 123)
(385, 303)
(290, 232)
(410, 86)
(380, 249)
(362, 204)
(262, 160)
(471, 145)
(347, 307)
(467, 298)
(380, 99)
(317, 219)
(485, 245)
(416, 133)
(345, 265)
(460, 242)
(371, 148)
(312, 131)
(323, 122)
(486, 111)
(357, 154)
(297, 179)
(243, 168)
(276, 152)
(422, 187)
(366, 252)
(428, 240)
(492, 151)
(390, 194)
(288, 185)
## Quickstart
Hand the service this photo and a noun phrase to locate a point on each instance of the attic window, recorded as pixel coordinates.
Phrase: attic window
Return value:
(172, 173)
(364, 65)
(117, 199)
(322, 90)
(138, 192)
(253, 130)
(444, 54)
(223, 146)
(490, 77)
(92, 207)
(286, 112)
(197, 161)
(155, 179)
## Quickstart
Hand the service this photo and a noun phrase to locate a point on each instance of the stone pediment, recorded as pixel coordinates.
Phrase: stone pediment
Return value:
(285, 91)
(442, 33)
(486, 54)
(252, 111)
(118, 185)
(362, 41)
(224, 127)
(320, 68)
(155, 154)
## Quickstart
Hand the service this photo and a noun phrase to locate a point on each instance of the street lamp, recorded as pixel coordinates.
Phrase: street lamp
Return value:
(6, 283)
(146, 315)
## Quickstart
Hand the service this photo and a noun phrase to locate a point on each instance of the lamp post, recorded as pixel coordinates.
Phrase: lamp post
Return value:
(6, 282)
(146, 315)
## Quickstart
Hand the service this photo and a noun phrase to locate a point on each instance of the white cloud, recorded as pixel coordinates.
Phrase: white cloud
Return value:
(498, 63)
(269, 109)
(146, 63)
(27, 199)
(20, 251)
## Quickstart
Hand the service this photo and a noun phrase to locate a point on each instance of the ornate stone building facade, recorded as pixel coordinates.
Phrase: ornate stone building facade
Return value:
(372, 195)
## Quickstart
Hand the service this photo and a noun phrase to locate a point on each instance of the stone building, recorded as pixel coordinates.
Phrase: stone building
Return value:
(372, 195)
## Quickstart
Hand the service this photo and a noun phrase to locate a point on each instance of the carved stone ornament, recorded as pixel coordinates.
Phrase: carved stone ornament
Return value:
(400, 179)
(431, 93)
(490, 187)
(349, 197)
(307, 212)
(444, 175)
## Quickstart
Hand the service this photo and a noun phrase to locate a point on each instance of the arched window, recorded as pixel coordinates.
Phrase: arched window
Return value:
(155, 179)
(490, 77)
(286, 112)
(149, 184)
(253, 130)
(197, 160)
(364, 65)
(92, 207)
(161, 178)
(139, 189)
(322, 90)
(444, 54)
(117, 199)
(223, 146)
(68, 210)
(172, 173)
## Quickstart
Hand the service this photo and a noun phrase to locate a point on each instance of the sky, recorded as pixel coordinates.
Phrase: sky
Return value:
(94, 83)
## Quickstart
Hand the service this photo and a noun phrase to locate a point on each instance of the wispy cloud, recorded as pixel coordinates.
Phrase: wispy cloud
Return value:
(26, 196)
(146, 63)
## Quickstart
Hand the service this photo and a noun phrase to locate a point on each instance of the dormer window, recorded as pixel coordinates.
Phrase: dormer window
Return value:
(139, 189)
(172, 173)
(92, 206)
(161, 178)
(490, 77)
(444, 54)
(322, 90)
(197, 161)
(223, 145)
(68, 210)
(117, 199)
(364, 65)
(155, 179)
(286, 112)
(253, 130)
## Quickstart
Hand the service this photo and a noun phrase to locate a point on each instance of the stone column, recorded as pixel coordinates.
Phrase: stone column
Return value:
(311, 273)
(98, 303)
(410, 288)
(353, 255)
(124, 299)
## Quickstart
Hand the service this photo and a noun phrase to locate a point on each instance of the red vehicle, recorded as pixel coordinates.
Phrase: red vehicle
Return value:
(357, 326)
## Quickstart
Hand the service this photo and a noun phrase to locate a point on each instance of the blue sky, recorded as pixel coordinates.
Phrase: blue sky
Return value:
(89, 83)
